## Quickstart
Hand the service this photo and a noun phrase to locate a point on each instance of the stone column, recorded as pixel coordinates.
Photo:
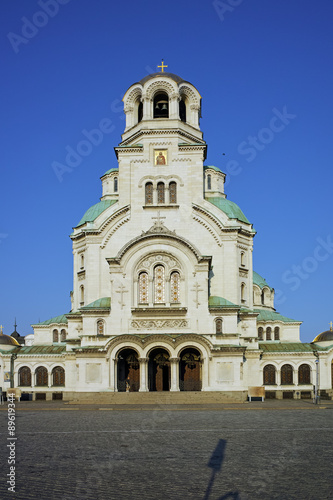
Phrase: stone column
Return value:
(174, 374)
(174, 107)
(113, 374)
(204, 373)
(143, 374)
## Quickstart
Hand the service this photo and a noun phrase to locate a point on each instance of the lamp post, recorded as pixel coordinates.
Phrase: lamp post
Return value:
(317, 392)
(12, 359)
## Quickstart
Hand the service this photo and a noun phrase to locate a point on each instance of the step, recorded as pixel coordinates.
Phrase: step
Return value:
(131, 398)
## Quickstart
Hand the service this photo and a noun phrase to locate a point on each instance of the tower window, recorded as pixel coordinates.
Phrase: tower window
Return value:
(115, 184)
(243, 292)
(218, 326)
(159, 285)
(268, 333)
(174, 287)
(182, 110)
(62, 335)
(160, 193)
(209, 181)
(81, 295)
(276, 333)
(149, 193)
(173, 192)
(100, 327)
(140, 112)
(261, 333)
(161, 105)
(143, 288)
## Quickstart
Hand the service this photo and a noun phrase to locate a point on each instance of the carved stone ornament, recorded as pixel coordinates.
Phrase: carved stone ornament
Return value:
(149, 324)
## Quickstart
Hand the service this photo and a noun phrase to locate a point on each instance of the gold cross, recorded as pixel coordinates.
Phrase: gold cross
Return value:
(331, 324)
(162, 67)
(1, 328)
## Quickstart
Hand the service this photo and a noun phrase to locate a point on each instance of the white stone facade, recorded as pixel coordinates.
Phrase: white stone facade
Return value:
(164, 293)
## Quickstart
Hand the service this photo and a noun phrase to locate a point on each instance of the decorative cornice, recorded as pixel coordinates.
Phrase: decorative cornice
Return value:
(174, 132)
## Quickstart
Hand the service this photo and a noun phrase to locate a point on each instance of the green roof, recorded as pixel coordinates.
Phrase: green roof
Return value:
(104, 303)
(39, 349)
(215, 301)
(111, 170)
(56, 319)
(93, 212)
(213, 168)
(259, 280)
(273, 316)
(288, 347)
(229, 208)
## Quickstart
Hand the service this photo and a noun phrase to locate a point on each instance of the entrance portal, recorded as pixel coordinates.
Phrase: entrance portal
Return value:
(159, 374)
(128, 371)
(190, 370)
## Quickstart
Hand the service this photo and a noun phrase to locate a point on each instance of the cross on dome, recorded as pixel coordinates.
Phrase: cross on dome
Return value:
(162, 66)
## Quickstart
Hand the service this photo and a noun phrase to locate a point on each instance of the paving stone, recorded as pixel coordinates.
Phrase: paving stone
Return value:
(246, 454)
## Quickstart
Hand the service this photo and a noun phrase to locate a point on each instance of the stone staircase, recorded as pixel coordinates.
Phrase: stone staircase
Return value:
(155, 398)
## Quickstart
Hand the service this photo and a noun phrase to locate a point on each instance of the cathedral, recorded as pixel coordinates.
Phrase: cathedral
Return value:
(165, 297)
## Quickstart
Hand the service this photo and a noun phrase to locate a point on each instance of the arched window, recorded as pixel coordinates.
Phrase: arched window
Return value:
(58, 376)
(269, 375)
(140, 112)
(55, 336)
(276, 333)
(262, 298)
(41, 376)
(218, 326)
(82, 261)
(242, 256)
(24, 376)
(261, 333)
(143, 288)
(174, 287)
(160, 192)
(304, 372)
(173, 192)
(81, 295)
(268, 333)
(243, 292)
(182, 110)
(286, 375)
(159, 285)
(62, 335)
(209, 181)
(161, 105)
(115, 185)
(149, 193)
(100, 327)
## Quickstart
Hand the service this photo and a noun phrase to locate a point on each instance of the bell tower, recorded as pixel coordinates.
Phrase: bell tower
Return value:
(162, 141)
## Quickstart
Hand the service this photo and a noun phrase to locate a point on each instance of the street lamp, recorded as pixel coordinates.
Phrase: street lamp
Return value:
(317, 391)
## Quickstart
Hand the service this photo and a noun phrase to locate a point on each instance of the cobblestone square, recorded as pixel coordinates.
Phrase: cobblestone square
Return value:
(246, 452)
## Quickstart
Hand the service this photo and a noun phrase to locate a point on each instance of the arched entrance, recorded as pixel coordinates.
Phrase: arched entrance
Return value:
(190, 370)
(128, 371)
(159, 374)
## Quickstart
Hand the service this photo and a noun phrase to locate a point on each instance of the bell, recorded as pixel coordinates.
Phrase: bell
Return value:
(164, 107)
(157, 106)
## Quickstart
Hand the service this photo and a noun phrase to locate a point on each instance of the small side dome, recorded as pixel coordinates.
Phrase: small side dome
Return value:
(7, 342)
(326, 336)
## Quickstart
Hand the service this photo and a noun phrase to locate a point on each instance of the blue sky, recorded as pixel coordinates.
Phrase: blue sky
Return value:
(264, 70)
